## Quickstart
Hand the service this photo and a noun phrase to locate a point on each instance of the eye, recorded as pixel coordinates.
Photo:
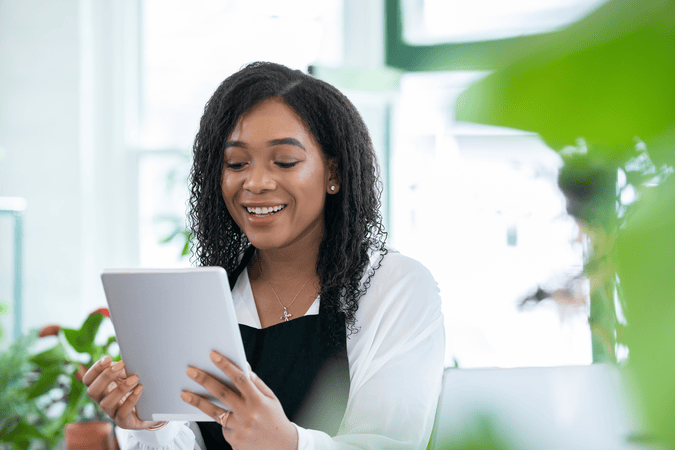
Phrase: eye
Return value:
(235, 166)
(286, 165)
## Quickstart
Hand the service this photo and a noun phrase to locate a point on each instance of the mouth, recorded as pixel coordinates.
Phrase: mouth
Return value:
(264, 211)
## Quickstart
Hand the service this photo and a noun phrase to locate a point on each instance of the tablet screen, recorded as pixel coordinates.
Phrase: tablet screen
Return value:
(165, 320)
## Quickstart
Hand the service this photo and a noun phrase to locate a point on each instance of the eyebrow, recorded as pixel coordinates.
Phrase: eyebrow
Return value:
(272, 143)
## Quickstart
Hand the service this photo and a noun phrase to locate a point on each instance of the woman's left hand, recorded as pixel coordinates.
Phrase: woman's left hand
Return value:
(256, 419)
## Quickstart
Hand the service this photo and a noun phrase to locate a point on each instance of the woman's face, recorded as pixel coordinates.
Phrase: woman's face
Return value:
(275, 177)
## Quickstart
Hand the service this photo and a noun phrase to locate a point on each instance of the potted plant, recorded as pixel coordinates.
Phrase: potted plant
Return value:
(47, 395)
(14, 365)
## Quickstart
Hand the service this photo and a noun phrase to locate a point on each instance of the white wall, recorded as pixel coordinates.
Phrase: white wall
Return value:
(61, 129)
(69, 72)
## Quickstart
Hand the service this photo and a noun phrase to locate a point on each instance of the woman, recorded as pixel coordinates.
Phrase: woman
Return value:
(344, 337)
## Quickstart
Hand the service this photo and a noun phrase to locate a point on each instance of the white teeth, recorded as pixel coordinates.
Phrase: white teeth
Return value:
(264, 210)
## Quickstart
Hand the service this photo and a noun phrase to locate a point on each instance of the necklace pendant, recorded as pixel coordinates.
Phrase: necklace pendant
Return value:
(286, 315)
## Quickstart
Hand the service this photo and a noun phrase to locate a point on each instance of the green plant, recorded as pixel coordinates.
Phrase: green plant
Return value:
(609, 79)
(3, 310)
(45, 390)
(14, 365)
(179, 232)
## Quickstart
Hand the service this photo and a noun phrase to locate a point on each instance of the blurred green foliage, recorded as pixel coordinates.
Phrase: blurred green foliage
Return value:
(183, 235)
(42, 392)
(14, 365)
(483, 437)
(610, 80)
(4, 308)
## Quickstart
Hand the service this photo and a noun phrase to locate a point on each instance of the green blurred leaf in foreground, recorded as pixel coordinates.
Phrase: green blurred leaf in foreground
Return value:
(609, 79)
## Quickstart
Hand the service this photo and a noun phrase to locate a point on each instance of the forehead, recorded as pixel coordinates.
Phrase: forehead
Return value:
(271, 119)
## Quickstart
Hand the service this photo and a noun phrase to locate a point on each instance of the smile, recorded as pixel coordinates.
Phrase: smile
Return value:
(265, 210)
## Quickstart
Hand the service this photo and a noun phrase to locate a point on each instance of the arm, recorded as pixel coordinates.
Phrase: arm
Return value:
(396, 363)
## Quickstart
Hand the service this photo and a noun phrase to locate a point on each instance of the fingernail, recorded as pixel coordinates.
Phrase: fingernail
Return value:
(185, 396)
(215, 356)
(138, 389)
(119, 366)
(192, 373)
(131, 380)
(106, 360)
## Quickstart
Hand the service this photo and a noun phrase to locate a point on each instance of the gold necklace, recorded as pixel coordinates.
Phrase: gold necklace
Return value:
(286, 315)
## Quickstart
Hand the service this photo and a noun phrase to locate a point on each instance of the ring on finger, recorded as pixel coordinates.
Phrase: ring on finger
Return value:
(222, 418)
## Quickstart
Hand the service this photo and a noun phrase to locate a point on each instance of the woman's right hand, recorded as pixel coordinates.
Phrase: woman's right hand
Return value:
(108, 385)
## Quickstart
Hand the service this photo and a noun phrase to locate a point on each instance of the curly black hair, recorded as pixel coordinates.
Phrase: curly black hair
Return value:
(352, 220)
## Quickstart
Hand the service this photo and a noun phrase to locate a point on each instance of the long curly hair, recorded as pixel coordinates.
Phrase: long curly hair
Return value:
(352, 220)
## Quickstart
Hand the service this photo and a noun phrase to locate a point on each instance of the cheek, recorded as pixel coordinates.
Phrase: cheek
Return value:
(228, 191)
(313, 176)
(314, 191)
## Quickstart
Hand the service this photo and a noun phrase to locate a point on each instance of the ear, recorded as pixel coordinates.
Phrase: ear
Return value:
(333, 184)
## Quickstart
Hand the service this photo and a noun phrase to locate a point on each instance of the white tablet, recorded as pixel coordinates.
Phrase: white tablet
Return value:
(165, 320)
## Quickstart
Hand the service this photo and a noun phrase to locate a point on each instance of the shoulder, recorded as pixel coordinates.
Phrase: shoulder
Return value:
(395, 270)
(401, 288)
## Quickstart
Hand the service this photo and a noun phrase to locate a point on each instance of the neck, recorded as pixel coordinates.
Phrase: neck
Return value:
(288, 265)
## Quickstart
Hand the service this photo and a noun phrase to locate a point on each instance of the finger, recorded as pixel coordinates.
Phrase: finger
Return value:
(240, 380)
(224, 419)
(202, 404)
(111, 402)
(99, 387)
(223, 393)
(80, 372)
(95, 370)
(232, 428)
(262, 387)
(126, 409)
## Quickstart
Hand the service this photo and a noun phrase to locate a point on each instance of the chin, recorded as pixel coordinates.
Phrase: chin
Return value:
(266, 242)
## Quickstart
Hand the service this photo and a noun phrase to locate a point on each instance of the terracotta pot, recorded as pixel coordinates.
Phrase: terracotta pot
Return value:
(90, 436)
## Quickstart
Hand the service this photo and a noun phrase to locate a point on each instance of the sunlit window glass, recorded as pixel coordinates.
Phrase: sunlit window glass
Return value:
(480, 207)
(451, 21)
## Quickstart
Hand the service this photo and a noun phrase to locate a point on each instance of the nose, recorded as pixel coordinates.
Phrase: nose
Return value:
(259, 179)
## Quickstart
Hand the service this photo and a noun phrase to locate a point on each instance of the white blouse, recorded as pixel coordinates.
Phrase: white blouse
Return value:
(395, 366)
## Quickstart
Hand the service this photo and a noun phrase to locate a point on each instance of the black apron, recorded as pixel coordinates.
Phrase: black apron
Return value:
(309, 376)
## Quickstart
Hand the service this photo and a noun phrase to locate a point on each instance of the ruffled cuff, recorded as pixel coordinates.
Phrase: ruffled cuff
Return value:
(172, 436)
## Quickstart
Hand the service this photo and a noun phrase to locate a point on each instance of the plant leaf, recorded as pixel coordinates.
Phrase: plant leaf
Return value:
(607, 84)
(83, 339)
(170, 237)
(51, 357)
(22, 435)
(45, 382)
(77, 398)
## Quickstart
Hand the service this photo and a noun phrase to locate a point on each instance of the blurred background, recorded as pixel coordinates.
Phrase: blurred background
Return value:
(100, 102)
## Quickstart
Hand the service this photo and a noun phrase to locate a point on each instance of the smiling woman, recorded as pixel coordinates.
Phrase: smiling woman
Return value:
(275, 178)
(344, 336)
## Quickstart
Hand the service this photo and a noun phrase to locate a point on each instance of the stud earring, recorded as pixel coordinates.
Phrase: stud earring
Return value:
(332, 188)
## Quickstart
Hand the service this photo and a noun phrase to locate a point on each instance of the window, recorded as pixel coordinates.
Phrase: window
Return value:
(428, 22)
(480, 207)
(187, 50)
